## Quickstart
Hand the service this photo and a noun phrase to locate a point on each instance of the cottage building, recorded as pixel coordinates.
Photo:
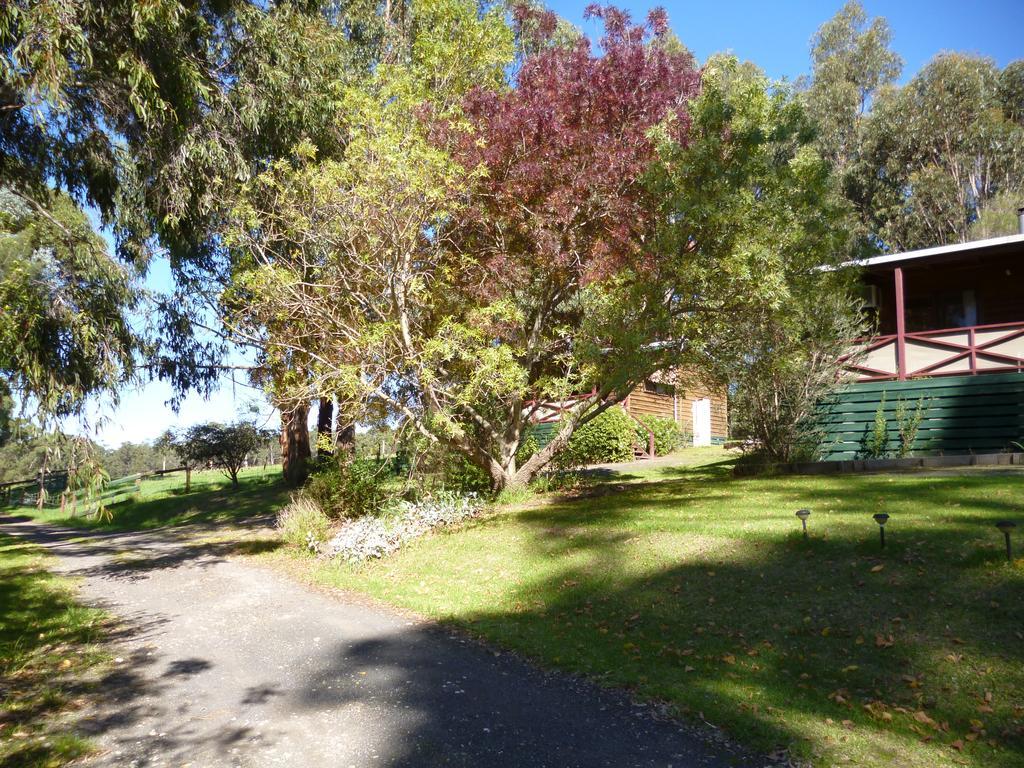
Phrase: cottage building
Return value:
(950, 340)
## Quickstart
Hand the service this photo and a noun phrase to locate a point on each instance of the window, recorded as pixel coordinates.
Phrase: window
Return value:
(658, 388)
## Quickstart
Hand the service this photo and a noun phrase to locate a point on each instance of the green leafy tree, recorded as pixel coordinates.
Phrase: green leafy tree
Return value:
(928, 163)
(65, 333)
(563, 232)
(852, 60)
(191, 453)
(751, 184)
(945, 148)
(227, 447)
(374, 204)
(153, 114)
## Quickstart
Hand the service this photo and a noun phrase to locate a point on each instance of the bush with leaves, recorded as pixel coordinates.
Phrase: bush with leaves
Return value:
(668, 435)
(528, 446)
(462, 476)
(607, 438)
(376, 536)
(876, 439)
(352, 487)
(908, 423)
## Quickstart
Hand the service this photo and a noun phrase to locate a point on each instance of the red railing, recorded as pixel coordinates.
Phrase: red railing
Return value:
(964, 351)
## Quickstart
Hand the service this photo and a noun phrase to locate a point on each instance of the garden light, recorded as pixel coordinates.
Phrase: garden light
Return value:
(881, 518)
(1006, 526)
(803, 514)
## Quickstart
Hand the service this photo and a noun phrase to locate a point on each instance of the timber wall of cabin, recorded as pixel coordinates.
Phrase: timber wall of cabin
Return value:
(641, 403)
(680, 408)
(962, 415)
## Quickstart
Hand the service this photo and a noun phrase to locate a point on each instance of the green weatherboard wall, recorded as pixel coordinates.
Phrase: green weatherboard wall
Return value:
(963, 414)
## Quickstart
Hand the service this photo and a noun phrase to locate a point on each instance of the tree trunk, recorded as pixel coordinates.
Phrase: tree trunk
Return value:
(511, 477)
(188, 479)
(347, 439)
(324, 427)
(295, 451)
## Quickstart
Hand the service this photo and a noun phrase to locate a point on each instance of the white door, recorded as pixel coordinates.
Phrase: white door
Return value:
(702, 421)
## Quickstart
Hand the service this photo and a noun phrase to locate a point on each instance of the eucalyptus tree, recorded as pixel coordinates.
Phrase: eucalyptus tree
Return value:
(852, 60)
(65, 333)
(152, 115)
(927, 163)
(940, 150)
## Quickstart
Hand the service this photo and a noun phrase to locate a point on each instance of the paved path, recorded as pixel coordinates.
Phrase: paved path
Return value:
(223, 663)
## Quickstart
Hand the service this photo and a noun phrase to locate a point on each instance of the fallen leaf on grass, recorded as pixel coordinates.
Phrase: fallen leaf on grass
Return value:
(878, 569)
(729, 658)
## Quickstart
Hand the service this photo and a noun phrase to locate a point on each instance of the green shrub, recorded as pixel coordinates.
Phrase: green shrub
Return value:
(908, 423)
(304, 525)
(667, 433)
(876, 439)
(462, 475)
(528, 446)
(353, 487)
(608, 438)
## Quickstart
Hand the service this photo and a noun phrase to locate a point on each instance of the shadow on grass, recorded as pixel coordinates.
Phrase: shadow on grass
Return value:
(829, 645)
(53, 660)
(141, 565)
(256, 501)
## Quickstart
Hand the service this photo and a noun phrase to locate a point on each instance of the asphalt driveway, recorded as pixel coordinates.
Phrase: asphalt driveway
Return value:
(226, 663)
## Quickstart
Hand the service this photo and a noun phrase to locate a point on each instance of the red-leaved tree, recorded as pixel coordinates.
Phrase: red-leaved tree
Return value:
(566, 149)
(562, 219)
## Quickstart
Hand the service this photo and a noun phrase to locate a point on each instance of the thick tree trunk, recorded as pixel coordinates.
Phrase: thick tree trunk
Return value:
(324, 427)
(295, 451)
(512, 477)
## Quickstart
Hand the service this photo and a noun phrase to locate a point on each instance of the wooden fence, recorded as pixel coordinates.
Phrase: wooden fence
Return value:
(25, 493)
(962, 415)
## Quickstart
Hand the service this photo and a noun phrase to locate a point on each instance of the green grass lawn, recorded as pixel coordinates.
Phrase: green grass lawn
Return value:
(693, 587)
(49, 644)
(164, 502)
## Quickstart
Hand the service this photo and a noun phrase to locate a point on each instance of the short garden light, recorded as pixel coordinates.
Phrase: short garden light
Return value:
(881, 518)
(1006, 526)
(803, 514)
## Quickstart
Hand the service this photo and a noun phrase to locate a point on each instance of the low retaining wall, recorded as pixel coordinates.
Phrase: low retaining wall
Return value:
(882, 465)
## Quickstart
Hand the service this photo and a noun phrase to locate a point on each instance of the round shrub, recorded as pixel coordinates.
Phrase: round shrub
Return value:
(463, 476)
(610, 437)
(353, 487)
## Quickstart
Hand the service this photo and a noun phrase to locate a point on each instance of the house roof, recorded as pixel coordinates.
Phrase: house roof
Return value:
(993, 246)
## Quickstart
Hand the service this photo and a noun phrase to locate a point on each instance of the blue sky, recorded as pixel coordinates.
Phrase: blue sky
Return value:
(775, 34)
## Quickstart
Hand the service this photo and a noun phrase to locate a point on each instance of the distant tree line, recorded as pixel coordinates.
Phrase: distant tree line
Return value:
(26, 450)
